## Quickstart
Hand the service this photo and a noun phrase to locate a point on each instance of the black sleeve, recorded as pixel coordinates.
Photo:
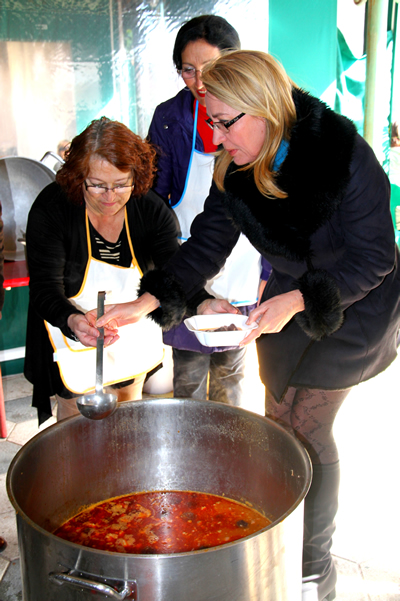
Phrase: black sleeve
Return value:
(153, 231)
(50, 244)
(370, 250)
(212, 238)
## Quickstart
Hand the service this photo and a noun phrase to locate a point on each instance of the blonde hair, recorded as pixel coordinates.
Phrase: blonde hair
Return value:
(254, 83)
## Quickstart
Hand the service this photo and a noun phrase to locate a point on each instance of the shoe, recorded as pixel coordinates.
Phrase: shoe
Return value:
(3, 544)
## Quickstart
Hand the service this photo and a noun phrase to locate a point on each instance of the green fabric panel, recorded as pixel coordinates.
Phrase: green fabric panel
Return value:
(13, 326)
(302, 36)
(11, 368)
(350, 83)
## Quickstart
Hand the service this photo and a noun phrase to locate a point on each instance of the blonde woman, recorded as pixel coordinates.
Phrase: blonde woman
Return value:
(308, 192)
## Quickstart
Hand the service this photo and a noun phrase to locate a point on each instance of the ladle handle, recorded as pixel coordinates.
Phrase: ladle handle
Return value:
(100, 343)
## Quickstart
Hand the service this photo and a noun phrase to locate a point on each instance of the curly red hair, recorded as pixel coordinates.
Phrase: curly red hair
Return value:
(115, 143)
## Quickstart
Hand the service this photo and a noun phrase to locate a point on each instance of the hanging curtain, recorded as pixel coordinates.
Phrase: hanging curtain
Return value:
(39, 108)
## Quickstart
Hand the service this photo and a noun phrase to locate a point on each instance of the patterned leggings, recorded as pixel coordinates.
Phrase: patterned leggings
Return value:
(310, 414)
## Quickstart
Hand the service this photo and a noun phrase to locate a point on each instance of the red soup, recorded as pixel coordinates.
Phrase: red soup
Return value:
(162, 522)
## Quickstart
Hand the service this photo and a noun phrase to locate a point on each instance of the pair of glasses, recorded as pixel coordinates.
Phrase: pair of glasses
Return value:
(223, 126)
(98, 189)
(188, 72)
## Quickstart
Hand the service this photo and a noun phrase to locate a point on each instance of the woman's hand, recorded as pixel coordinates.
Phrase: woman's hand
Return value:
(216, 305)
(123, 314)
(110, 334)
(83, 326)
(274, 314)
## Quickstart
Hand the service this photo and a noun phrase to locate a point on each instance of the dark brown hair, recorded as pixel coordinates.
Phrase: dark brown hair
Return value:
(115, 143)
(215, 30)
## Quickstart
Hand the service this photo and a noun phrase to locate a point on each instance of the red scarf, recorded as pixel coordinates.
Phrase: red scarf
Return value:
(205, 131)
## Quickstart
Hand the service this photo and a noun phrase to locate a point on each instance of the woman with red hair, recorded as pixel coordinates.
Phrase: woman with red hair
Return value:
(97, 227)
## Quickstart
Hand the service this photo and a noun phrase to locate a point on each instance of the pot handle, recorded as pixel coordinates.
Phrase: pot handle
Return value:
(68, 578)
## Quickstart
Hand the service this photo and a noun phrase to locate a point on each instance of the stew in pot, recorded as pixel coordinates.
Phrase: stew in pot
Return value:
(162, 522)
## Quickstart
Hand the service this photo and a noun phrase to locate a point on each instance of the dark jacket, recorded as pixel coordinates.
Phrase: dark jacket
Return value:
(332, 238)
(171, 131)
(57, 258)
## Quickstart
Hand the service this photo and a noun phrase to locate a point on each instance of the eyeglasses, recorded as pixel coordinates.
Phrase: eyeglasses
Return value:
(98, 189)
(189, 72)
(223, 126)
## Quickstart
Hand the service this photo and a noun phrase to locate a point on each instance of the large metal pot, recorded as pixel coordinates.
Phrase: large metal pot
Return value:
(21, 180)
(161, 444)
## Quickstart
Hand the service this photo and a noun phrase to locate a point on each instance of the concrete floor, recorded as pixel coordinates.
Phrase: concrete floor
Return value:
(367, 541)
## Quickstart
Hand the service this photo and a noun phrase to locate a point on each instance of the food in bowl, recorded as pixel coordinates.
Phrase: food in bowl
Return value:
(162, 522)
(231, 328)
(222, 329)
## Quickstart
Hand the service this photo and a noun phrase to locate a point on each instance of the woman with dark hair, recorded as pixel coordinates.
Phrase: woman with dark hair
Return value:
(181, 131)
(214, 30)
(98, 227)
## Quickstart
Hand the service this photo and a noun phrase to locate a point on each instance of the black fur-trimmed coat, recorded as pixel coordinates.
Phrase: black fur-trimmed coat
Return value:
(332, 238)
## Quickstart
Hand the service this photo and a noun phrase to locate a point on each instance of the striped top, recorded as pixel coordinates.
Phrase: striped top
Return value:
(115, 253)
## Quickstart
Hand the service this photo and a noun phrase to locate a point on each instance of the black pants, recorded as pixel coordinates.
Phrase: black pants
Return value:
(225, 371)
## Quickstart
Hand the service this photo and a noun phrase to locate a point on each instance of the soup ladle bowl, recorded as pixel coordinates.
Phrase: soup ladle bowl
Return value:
(99, 404)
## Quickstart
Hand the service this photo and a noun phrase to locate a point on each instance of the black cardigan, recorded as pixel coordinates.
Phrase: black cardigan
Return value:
(57, 258)
(332, 238)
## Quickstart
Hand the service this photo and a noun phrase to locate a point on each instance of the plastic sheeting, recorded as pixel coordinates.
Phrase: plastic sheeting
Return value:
(66, 62)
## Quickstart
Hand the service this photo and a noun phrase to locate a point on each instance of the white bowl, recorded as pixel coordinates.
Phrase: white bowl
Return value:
(199, 323)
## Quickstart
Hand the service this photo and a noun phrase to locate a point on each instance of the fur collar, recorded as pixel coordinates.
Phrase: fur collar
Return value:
(315, 174)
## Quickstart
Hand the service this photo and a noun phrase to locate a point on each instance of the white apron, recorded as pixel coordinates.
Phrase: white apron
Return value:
(239, 279)
(139, 348)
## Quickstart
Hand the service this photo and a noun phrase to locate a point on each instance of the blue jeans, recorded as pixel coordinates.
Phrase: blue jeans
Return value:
(225, 370)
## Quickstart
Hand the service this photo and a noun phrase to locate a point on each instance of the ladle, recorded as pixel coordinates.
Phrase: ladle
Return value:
(100, 404)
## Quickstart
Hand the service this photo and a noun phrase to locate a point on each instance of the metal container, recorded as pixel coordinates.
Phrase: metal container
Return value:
(21, 180)
(161, 444)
